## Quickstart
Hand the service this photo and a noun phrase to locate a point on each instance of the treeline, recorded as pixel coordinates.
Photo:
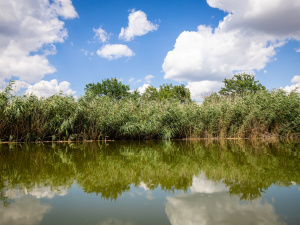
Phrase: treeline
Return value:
(103, 113)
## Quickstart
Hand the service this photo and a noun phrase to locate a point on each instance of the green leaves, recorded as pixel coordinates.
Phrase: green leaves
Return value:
(168, 91)
(240, 84)
(108, 87)
(152, 116)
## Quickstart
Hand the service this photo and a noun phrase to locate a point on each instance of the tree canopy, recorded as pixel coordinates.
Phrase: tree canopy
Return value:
(109, 87)
(168, 91)
(241, 83)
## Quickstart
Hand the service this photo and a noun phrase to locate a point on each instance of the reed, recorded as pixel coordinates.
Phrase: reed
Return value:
(254, 115)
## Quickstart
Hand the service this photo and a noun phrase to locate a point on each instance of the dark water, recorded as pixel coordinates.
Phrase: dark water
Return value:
(166, 182)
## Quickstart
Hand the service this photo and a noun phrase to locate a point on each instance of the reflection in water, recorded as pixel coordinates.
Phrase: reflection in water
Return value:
(217, 176)
(108, 169)
(111, 221)
(25, 211)
(36, 191)
(218, 208)
(202, 185)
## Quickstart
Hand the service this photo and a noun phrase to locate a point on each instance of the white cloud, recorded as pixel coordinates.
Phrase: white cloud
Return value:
(25, 211)
(295, 79)
(114, 51)
(48, 192)
(245, 40)
(144, 186)
(131, 80)
(143, 88)
(203, 185)
(38, 191)
(148, 78)
(297, 50)
(218, 208)
(101, 34)
(64, 8)
(208, 55)
(49, 88)
(202, 88)
(27, 28)
(278, 19)
(138, 25)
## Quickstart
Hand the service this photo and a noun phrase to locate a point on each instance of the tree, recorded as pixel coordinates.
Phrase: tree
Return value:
(182, 93)
(241, 83)
(151, 93)
(109, 87)
(168, 91)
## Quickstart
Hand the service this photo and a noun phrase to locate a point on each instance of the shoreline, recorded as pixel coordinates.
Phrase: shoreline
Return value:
(180, 139)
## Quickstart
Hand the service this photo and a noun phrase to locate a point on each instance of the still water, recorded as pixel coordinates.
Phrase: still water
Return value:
(151, 182)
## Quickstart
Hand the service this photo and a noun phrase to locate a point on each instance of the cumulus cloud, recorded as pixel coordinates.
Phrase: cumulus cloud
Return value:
(245, 40)
(148, 78)
(203, 185)
(28, 30)
(297, 50)
(296, 79)
(49, 88)
(277, 19)
(293, 87)
(208, 55)
(38, 191)
(143, 88)
(218, 208)
(115, 51)
(101, 34)
(25, 211)
(202, 88)
(138, 25)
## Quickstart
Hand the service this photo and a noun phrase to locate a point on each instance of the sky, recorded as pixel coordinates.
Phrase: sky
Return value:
(48, 46)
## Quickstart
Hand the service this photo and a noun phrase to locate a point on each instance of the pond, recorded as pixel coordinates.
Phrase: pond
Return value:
(150, 182)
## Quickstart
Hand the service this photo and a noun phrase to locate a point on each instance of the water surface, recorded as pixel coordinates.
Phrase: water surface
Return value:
(151, 182)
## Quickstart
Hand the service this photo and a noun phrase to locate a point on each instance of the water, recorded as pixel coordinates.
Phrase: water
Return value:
(153, 182)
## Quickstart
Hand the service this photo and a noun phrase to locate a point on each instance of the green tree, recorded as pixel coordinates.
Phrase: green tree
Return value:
(180, 92)
(108, 87)
(241, 83)
(151, 93)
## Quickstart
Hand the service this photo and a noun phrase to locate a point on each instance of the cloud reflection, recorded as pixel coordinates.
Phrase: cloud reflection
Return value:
(36, 191)
(25, 211)
(202, 185)
(111, 221)
(218, 208)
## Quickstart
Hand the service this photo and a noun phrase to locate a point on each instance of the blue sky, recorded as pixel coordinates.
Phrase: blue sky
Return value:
(51, 46)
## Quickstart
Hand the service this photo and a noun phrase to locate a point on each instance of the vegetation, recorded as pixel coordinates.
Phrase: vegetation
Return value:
(241, 83)
(109, 87)
(109, 111)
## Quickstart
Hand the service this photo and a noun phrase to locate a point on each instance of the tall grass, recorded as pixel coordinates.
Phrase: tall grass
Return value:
(60, 117)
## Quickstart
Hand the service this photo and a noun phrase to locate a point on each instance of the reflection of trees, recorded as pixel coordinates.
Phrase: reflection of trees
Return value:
(110, 168)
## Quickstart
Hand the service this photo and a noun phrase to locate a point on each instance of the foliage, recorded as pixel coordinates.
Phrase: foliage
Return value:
(168, 91)
(59, 117)
(241, 83)
(108, 87)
